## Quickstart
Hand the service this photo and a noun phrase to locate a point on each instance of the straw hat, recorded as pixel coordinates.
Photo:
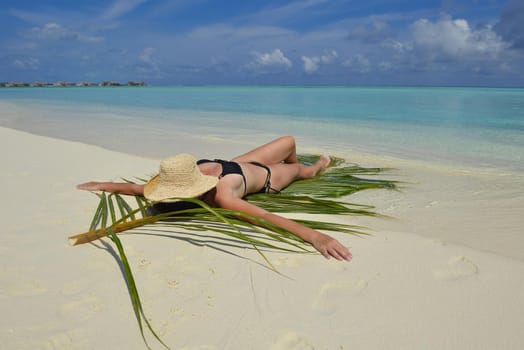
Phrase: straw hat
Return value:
(179, 177)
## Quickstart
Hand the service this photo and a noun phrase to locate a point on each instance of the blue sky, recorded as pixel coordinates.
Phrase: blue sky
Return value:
(343, 42)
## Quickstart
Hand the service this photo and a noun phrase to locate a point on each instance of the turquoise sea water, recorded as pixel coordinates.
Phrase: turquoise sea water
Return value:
(471, 126)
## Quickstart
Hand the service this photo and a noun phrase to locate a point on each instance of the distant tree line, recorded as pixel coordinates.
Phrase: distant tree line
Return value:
(68, 84)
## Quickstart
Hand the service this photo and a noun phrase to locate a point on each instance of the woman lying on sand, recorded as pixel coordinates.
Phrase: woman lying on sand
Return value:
(220, 183)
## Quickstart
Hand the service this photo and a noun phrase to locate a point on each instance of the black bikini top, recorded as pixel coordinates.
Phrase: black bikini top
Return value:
(228, 167)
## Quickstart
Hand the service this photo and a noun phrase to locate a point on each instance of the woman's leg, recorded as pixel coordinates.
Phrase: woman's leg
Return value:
(277, 151)
(282, 174)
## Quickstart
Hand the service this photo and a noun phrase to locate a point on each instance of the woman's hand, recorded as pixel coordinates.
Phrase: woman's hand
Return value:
(330, 247)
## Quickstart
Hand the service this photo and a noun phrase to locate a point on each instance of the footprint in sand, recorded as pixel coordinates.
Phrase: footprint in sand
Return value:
(172, 283)
(291, 341)
(27, 288)
(73, 339)
(432, 204)
(82, 309)
(457, 268)
(332, 294)
(143, 263)
(288, 261)
(74, 287)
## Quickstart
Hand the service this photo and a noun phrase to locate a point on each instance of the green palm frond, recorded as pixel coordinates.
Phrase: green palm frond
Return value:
(311, 196)
(338, 180)
(321, 195)
(106, 211)
(306, 204)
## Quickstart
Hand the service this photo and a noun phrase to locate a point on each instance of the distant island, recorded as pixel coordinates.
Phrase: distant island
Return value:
(69, 84)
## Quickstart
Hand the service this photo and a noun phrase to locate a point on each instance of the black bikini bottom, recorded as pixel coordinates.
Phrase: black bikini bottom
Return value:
(267, 185)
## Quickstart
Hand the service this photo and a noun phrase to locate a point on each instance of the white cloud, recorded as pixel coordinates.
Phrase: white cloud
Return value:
(50, 31)
(274, 58)
(358, 63)
(89, 38)
(290, 11)
(147, 65)
(28, 63)
(456, 39)
(54, 32)
(329, 57)
(312, 64)
(121, 7)
(269, 62)
(396, 45)
(146, 55)
(234, 34)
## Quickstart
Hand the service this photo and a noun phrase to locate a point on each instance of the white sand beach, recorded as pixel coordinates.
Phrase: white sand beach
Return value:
(446, 271)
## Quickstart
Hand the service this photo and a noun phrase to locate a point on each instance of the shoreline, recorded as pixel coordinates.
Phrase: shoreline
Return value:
(95, 124)
(401, 290)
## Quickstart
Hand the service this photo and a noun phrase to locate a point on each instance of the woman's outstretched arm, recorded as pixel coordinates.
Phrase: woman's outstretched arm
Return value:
(113, 187)
(326, 245)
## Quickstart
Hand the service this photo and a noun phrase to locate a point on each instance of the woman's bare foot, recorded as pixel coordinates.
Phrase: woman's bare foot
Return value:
(320, 165)
(324, 162)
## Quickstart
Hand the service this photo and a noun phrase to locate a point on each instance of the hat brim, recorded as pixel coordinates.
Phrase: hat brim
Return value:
(154, 192)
